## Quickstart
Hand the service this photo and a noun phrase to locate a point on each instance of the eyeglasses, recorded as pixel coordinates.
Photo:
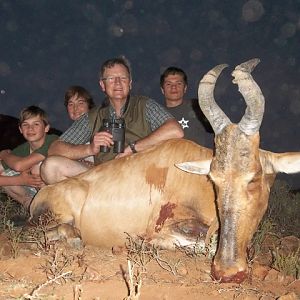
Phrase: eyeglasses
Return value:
(112, 79)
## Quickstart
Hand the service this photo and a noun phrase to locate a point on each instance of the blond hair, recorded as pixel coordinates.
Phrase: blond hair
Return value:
(33, 111)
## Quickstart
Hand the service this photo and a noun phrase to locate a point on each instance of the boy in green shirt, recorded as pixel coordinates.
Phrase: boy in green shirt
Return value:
(20, 168)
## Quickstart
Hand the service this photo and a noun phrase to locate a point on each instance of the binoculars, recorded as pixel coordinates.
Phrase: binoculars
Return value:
(117, 128)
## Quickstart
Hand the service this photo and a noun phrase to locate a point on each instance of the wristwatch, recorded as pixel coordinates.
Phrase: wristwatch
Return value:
(132, 147)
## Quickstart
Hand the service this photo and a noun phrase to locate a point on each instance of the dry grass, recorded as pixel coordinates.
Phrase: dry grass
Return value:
(36, 233)
(8, 209)
(139, 254)
(60, 267)
(14, 236)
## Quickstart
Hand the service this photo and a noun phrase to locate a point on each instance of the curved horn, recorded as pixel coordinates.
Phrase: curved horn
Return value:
(251, 121)
(216, 117)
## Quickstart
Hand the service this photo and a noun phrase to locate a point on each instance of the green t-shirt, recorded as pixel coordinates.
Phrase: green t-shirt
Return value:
(23, 150)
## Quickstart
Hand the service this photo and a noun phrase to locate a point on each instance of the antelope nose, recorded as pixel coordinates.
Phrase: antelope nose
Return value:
(221, 276)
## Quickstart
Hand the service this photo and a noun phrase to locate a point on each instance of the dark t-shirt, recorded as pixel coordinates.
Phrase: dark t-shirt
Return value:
(193, 122)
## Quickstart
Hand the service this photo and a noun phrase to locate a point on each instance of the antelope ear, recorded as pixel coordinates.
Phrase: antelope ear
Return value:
(287, 162)
(201, 167)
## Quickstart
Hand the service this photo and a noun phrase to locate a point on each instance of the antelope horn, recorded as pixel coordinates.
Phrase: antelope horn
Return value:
(251, 121)
(216, 117)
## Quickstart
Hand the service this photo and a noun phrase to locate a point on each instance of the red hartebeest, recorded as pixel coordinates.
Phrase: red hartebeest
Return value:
(242, 173)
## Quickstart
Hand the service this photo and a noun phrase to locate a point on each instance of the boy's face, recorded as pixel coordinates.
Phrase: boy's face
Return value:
(76, 107)
(174, 89)
(34, 129)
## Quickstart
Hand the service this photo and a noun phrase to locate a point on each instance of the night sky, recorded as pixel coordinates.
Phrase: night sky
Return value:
(48, 45)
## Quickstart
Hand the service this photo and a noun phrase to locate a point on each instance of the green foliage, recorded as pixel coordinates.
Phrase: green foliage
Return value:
(288, 264)
(281, 219)
(266, 227)
(284, 209)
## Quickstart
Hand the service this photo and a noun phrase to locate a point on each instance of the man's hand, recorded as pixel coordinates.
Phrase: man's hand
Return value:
(127, 151)
(31, 180)
(102, 138)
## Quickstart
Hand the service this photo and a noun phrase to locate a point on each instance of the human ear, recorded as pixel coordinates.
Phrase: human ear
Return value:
(102, 85)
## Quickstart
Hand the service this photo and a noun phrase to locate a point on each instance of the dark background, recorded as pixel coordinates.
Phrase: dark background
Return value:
(48, 45)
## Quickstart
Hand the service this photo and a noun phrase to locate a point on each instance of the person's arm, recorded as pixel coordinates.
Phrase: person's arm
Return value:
(72, 143)
(157, 116)
(71, 151)
(19, 163)
(164, 127)
(169, 130)
(25, 178)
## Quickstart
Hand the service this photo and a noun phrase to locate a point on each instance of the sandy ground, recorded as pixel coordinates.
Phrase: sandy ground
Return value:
(90, 273)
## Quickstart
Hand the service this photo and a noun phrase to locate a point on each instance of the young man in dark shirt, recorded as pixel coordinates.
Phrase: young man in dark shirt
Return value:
(173, 83)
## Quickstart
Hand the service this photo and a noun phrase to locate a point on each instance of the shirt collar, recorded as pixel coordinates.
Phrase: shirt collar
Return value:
(112, 111)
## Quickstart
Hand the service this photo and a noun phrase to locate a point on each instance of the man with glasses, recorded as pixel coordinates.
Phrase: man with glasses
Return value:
(146, 123)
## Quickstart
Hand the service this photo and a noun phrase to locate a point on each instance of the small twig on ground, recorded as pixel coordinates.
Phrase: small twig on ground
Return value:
(77, 292)
(165, 265)
(34, 294)
(134, 282)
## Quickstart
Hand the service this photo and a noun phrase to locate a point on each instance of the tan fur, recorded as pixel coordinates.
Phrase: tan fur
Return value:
(128, 195)
(243, 193)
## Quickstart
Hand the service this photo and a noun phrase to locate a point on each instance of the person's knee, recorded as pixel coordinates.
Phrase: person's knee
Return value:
(50, 169)
(46, 164)
(35, 170)
(57, 168)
